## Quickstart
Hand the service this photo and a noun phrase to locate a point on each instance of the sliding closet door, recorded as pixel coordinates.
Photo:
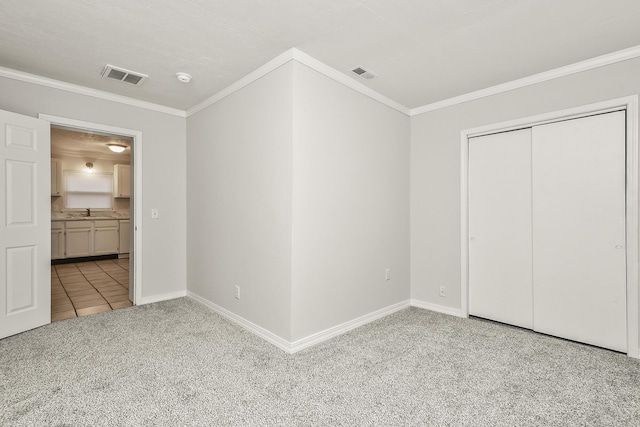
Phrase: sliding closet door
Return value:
(500, 227)
(579, 269)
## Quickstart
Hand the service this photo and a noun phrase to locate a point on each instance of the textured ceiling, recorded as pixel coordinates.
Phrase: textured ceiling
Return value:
(65, 142)
(424, 51)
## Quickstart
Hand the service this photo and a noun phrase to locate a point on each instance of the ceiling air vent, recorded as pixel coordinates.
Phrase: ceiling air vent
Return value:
(365, 74)
(127, 76)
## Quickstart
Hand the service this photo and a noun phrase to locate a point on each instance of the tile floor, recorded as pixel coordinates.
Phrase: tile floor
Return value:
(89, 287)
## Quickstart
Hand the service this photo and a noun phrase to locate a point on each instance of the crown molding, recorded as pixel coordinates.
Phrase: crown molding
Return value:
(294, 54)
(340, 77)
(259, 72)
(578, 67)
(82, 90)
(305, 59)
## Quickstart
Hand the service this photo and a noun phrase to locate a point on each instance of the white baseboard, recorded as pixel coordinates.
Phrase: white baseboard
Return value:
(346, 327)
(161, 297)
(293, 347)
(437, 308)
(266, 335)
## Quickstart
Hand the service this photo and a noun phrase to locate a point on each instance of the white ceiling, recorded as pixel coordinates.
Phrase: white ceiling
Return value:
(424, 51)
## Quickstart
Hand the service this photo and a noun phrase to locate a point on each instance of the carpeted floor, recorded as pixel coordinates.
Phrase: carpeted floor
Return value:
(177, 363)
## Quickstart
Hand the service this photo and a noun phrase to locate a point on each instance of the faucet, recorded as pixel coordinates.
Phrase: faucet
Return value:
(88, 211)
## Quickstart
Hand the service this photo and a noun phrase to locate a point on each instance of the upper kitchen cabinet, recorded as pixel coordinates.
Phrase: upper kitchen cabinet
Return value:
(122, 181)
(56, 177)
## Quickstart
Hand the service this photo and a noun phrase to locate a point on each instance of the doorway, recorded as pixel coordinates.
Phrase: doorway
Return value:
(90, 222)
(95, 250)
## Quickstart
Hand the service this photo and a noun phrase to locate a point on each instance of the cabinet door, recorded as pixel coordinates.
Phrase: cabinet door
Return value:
(78, 242)
(125, 236)
(106, 237)
(57, 239)
(57, 244)
(579, 230)
(122, 181)
(56, 185)
(500, 264)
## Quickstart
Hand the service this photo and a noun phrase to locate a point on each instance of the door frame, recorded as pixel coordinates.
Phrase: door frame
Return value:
(136, 212)
(630, 105)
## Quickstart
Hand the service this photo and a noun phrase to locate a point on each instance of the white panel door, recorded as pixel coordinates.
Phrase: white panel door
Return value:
(500, 272)
(579, 230)
(25, 257)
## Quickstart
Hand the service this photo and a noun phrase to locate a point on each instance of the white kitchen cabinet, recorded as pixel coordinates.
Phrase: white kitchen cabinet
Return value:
(125, 232)
(105, 237)
(88, 237)
(121, 181)
(79, 238)
(56, 177)
(57, 240)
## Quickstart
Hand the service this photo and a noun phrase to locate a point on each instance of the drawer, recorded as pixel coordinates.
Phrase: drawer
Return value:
(106, 223)
(57, 225)
(79, 224)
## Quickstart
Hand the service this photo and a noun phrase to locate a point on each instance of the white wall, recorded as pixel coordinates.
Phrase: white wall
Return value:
(164, 175)
(350, 204)
(298, 192)
(239, 202)
(435, 165)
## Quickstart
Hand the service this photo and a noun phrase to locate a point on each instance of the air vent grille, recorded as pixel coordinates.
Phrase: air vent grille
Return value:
(364, 73)
(123, 75)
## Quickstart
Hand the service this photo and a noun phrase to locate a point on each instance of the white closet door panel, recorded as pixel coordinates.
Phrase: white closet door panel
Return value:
(579, 230)
(500, 284)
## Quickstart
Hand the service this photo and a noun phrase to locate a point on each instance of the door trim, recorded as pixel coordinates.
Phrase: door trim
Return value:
(136, 216)
(630, 106)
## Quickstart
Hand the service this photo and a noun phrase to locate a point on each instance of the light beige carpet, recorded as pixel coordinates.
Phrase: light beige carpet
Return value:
(177, 363)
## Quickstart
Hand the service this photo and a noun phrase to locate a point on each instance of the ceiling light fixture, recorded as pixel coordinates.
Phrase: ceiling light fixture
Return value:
(89, 166)
(183, 77)
(117, 148)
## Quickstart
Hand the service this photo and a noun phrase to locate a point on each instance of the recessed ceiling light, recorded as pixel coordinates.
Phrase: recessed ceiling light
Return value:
(183, 77)
(117, 148)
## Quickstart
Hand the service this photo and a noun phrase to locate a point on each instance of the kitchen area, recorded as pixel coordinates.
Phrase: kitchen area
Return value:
(90, 223)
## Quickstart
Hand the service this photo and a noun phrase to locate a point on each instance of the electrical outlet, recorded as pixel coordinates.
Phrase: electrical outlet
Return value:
(443, 291)
(237, 292)
(387, 274)
(155, 214)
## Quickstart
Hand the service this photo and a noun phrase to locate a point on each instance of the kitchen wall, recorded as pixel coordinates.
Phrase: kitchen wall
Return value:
(435, 165)
(163, 257)
(120, 206)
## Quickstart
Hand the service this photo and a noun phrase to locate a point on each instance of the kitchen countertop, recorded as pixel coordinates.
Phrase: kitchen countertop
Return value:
(86, 218)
